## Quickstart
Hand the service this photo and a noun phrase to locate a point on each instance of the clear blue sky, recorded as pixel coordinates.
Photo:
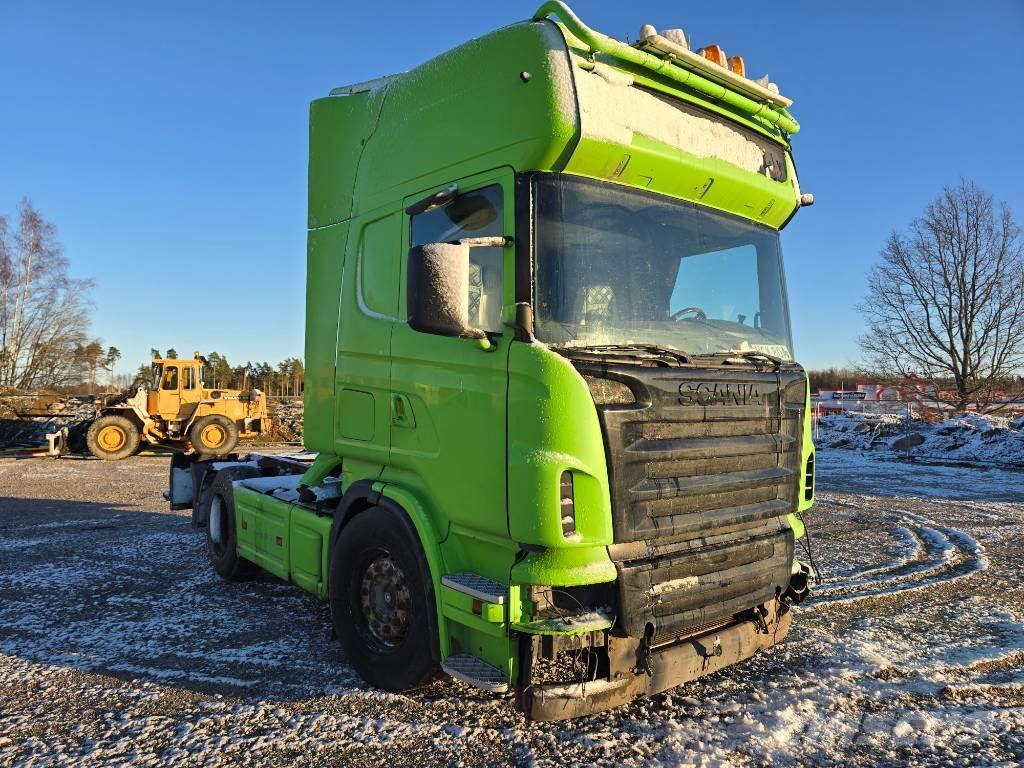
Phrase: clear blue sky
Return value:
(168, 140)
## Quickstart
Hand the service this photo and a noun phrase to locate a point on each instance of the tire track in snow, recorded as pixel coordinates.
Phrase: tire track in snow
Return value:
(930, 555)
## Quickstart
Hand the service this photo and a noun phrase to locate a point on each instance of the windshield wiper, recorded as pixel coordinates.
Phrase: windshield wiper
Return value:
(748, 354)
(646, 351)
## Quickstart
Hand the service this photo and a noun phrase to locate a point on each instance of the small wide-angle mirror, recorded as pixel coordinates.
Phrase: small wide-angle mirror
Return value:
(438, 290)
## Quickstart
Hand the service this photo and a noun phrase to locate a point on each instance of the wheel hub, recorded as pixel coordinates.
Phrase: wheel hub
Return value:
(213, 436)
(384, 599)
(111, 438)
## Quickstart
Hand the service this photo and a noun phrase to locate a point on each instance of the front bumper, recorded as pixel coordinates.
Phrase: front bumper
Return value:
(634, 673)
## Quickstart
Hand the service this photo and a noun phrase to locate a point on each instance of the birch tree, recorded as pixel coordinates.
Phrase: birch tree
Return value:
(43, 310)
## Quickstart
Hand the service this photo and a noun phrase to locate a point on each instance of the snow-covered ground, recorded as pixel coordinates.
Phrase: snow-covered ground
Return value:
(973, 438)
(119, 645)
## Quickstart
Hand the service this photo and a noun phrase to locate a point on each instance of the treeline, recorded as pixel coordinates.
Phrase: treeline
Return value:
(44, 312)
(838, 378)
(281, 380)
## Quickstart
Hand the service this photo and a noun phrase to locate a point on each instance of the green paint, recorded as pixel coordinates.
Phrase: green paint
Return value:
(322, 466)
(471, 438)
(284, 539)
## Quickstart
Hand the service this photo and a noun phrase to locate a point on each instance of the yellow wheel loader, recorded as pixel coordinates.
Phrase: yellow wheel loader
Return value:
(176, 409)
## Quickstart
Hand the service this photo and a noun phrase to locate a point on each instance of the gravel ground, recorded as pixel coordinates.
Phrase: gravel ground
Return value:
(119, 645)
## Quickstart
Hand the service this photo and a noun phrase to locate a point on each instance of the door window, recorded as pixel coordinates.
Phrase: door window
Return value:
(474, 214)
(170, 378)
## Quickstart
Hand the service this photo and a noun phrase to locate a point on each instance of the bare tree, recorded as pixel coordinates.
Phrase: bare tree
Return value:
(946, 303)
(43, 311)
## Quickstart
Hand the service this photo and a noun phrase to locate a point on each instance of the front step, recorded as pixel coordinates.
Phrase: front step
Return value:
(475, 585)
(476, 672)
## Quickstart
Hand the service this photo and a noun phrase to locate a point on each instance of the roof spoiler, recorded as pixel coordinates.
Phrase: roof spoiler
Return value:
(757, 105)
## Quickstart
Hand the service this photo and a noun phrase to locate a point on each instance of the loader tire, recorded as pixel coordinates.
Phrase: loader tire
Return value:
(382, 601)
(213, 435)
(222, 533)
(112, 438)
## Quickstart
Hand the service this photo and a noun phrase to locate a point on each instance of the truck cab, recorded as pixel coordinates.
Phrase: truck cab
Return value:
(562, 445)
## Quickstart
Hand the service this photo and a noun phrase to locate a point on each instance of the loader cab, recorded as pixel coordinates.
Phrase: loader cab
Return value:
(175, 389)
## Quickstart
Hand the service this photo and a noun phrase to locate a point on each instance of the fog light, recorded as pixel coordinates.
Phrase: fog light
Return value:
(567, 506)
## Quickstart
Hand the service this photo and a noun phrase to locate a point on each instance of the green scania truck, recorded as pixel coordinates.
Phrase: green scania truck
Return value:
(558, 444)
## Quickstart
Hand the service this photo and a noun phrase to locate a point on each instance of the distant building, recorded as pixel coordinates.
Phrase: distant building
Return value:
(862, 397)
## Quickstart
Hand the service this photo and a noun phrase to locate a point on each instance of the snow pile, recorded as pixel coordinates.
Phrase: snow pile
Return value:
(970, 437)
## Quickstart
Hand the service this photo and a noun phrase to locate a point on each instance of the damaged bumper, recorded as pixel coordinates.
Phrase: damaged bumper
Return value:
(634, 671)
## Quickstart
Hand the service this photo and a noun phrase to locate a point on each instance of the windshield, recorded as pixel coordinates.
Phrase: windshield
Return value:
(158, 372)
(619, 266)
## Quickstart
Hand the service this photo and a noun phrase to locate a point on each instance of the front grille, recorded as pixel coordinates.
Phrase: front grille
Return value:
(704, 467)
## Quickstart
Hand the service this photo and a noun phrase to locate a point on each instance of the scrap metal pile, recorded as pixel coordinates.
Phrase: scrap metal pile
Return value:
(26, 420)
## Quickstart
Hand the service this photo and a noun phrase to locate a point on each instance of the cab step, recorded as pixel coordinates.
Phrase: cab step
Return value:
(475, 585)
(476, 672)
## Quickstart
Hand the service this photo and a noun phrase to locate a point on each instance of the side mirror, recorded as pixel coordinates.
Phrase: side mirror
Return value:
(437, 291)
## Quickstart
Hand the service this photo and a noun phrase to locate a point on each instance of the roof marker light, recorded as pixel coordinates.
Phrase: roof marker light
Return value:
(737, 65)
(716, 54)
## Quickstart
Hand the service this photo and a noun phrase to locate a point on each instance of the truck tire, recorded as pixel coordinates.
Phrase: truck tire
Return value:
(221, 534)
(112, 437)
(204, 498)
(382, 601)
(213, 435)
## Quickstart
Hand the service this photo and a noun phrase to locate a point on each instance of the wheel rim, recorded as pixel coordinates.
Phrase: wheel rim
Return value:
(213, 436)
(216, 523)
(112, 438)
(384, 599)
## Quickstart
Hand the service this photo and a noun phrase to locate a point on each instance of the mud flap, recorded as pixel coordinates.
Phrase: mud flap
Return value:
(182, 481)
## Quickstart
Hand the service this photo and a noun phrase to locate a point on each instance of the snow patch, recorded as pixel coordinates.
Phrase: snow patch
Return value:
(613, 110)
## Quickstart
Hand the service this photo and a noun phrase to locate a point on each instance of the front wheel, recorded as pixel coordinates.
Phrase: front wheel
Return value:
(112, 438)
(213, 435)
(382, 601)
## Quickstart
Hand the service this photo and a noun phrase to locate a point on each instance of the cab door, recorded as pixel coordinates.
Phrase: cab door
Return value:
(448, 398)
(168, 397)
(190, 391)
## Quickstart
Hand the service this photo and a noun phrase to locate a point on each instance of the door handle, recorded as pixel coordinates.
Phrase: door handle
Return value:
(401, 411)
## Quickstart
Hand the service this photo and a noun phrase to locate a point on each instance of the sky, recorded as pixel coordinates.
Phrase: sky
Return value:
(168, 141)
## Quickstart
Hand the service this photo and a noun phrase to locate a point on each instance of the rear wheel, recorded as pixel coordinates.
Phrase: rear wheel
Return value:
(382, 601)
(214, 435)
(201, 509)
(112, 437)
(221, 531)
